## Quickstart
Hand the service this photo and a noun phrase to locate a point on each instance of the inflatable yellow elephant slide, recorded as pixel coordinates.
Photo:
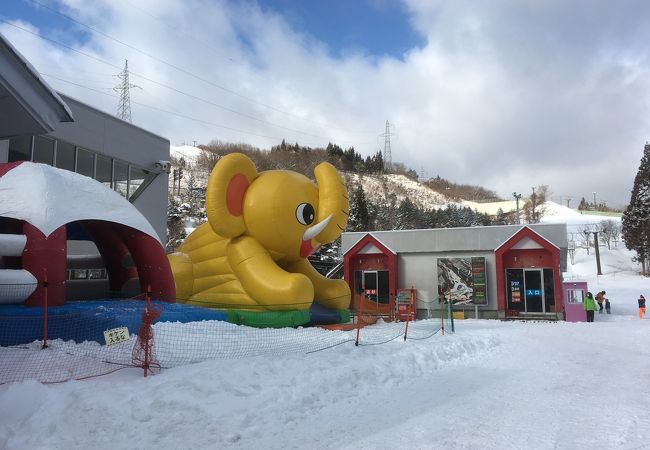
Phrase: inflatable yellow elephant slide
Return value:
(250, 257)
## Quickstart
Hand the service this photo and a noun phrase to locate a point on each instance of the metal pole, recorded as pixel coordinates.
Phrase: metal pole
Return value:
(597, 252)
(442, 316)
(451, 315)
(517, 197)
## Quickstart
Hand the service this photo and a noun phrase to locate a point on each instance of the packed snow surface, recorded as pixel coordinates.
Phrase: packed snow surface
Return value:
(490, 385)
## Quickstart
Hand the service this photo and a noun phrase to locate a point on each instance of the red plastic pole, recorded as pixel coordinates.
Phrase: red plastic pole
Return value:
(146, 344)
(45, 312)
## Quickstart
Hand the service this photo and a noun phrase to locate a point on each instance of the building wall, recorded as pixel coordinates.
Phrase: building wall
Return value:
(107, 135)
(459, 239)
(420, 270)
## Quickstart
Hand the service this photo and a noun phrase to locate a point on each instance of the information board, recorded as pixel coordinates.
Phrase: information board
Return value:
(479, 284)
(463, 280)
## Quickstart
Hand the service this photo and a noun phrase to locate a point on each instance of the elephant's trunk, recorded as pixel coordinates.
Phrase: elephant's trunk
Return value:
(332, 201)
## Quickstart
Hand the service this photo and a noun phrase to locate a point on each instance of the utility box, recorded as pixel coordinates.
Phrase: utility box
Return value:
(405, 304)
(573, 293)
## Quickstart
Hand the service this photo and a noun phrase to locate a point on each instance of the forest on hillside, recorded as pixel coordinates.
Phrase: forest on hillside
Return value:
(365, 215)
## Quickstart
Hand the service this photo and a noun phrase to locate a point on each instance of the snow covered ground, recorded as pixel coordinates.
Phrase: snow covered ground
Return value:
(490, 385)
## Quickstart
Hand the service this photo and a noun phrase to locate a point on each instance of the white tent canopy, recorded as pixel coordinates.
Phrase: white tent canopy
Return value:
(49, 198)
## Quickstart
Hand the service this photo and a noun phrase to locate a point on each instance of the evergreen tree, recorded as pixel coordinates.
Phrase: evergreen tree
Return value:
(636, 218)
(359, 219)
(583, 205)
(501, 218)
(175, 225)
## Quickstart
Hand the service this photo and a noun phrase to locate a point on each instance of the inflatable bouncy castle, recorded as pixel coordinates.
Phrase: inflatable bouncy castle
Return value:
(250, 258)
(42, 206)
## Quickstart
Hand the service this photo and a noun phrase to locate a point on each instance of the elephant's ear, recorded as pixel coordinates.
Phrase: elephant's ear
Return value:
(224, 196)
(332, 201)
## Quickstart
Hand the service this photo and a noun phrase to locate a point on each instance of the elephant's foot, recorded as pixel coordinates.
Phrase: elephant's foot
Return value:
(333, 294)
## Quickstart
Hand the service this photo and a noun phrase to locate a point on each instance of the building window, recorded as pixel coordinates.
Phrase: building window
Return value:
(20, 149)
(87, 274)
(43, 150)
(104, 170)
(136, 179)
(97, 274)
(78, 274)
(118, 175)
(85, 162)
(65, 156)
(575, 295)
(121, 178)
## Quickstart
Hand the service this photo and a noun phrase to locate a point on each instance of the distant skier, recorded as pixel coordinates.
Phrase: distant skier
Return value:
(607, 306)
(600, 298)
(641, 301)
(590, 306)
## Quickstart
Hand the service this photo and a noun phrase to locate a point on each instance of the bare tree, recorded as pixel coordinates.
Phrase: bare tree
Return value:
(534, 208)
(584, 236)
(609, 230)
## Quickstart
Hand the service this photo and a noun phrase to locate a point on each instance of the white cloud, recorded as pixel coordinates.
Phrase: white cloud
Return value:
(507, 95)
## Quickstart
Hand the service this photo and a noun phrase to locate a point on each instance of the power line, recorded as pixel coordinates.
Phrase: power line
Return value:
(177, 114)
(180, 69)
(162, 84)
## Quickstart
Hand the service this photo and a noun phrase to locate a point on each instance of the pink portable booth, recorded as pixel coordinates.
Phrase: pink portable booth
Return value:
(573, 292)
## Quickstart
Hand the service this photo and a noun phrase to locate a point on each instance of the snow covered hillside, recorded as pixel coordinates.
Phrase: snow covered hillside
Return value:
(490, 385)
(380, 188)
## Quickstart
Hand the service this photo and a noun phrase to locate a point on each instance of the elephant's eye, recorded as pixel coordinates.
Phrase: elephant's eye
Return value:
(305, 213)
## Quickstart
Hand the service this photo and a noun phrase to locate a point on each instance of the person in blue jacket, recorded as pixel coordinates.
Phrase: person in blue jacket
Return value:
(589, 305)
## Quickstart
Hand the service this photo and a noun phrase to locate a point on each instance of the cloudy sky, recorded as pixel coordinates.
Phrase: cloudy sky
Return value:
(504, 94)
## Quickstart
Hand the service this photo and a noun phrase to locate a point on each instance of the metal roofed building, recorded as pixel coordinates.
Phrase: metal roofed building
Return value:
(495, 271)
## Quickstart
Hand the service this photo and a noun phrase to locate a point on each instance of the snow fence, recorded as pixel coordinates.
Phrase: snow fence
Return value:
(90, 339)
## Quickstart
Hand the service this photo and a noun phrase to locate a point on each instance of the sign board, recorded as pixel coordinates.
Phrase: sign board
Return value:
(463, 280)
(116, 335)
(479, 281)
(515, 290)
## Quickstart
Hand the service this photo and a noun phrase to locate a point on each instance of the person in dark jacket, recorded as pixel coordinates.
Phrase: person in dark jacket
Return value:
(607, 306)
(589, 305)
(641, 301)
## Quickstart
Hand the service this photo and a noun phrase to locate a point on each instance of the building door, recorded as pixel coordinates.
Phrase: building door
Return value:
(534, 290)
(375, 286)
(370, 285)
(525, 290)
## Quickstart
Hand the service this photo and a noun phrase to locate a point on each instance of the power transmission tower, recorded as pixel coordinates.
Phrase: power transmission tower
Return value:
(124, 106)
(388, 159)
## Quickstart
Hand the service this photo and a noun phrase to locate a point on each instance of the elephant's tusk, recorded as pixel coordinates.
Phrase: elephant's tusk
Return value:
(313, 231)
